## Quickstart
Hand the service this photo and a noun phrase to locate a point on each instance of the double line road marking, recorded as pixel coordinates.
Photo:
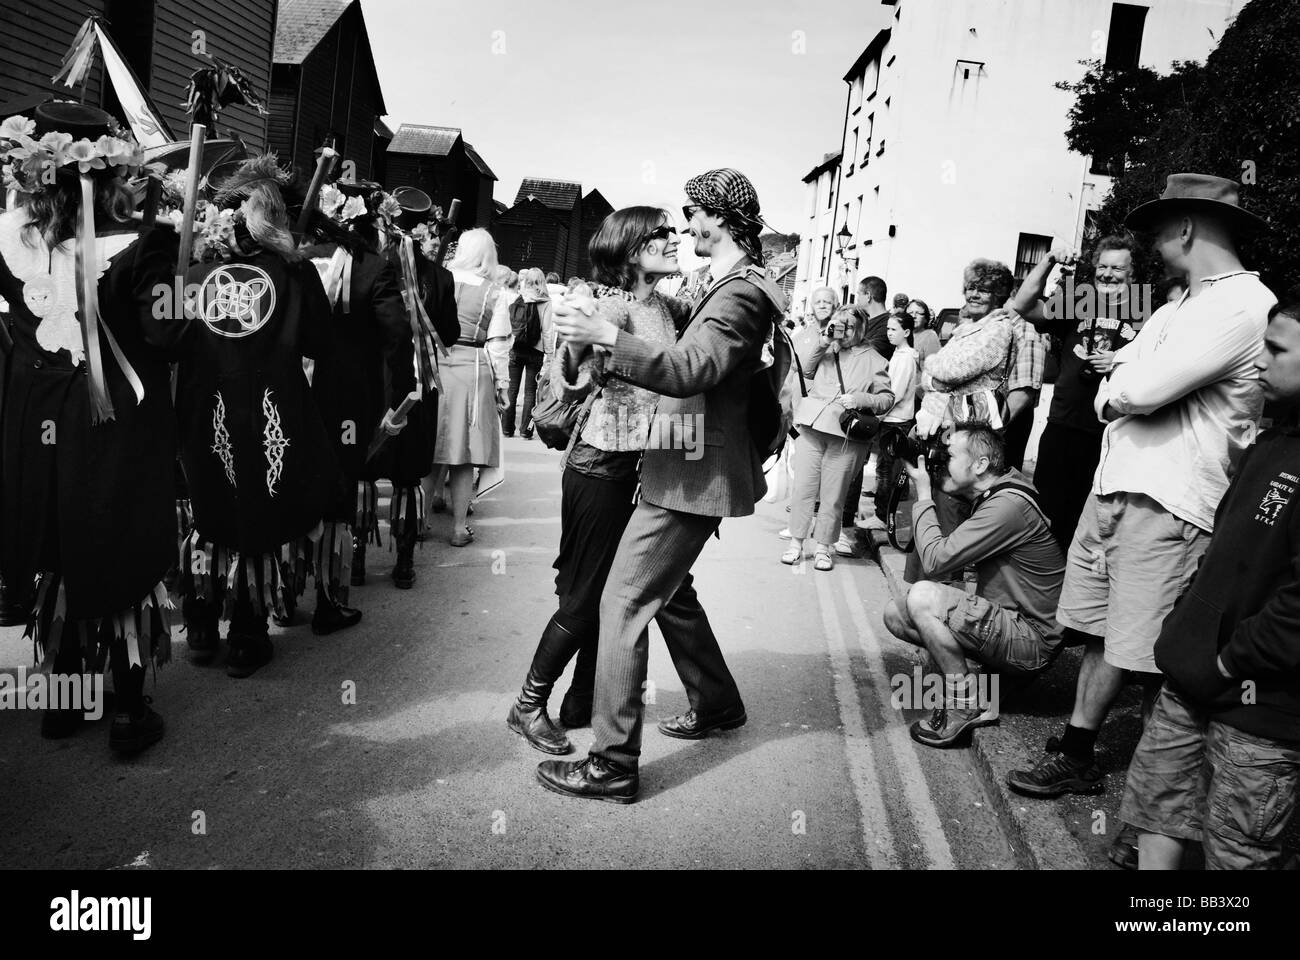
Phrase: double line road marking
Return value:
(863, 747)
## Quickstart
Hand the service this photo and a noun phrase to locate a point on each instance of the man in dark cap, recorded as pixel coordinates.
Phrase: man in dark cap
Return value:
(1181, 405)
(705, 379)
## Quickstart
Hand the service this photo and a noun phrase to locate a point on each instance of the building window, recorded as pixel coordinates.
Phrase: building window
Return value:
(1124, 45)
(1030, 252)
(826, 244)
(852, 153)
(871, 132)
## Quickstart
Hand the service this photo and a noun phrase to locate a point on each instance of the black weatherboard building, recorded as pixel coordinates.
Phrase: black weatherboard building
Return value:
(324, 87)
(157, 39)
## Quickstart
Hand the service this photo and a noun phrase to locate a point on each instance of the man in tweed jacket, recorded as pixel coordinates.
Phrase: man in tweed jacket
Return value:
(705, 380)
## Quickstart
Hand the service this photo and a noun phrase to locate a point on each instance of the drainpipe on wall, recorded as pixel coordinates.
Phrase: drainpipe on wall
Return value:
(835, 207)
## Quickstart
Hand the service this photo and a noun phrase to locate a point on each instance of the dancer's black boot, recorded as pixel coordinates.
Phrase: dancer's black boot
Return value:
(575, 709)
(135, 724)
(528, 716)
(202, 631)
(331, 615)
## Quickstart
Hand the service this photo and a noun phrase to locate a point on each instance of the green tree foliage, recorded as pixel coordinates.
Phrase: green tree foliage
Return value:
(1237, 115)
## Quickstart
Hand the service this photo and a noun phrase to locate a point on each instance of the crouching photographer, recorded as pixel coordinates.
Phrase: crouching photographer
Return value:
(1006, 619)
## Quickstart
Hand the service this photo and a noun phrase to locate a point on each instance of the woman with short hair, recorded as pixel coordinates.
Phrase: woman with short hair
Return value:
(846, 374)
(632, 250)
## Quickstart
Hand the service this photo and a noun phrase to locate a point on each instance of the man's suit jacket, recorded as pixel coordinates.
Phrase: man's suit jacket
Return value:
(705, 380)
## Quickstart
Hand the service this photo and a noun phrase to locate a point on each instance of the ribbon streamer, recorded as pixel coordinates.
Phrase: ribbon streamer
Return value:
(87, 266)
(428, 345)
(80, 57)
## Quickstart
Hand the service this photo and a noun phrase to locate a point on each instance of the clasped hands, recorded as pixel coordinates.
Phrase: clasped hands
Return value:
(579, 327)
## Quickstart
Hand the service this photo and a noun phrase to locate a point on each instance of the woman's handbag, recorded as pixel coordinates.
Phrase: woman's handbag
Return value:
(555, 421)
(858, 425)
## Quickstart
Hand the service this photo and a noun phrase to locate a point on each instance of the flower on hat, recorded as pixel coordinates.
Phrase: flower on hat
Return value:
(354, 207)
(330, 200)
(17, 126)
(84, 154)
(389, 208)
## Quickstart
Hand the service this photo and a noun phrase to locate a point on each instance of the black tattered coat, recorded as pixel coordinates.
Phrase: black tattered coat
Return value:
(371, 368)
(95, 504)
(261, 468)
(408, 457)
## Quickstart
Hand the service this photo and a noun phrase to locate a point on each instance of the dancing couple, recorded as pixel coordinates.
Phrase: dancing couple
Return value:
(634, 517)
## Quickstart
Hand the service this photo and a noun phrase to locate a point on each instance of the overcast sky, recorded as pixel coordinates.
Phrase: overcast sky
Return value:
(631, 98)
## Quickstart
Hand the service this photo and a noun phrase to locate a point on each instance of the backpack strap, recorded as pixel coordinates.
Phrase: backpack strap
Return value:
(1010, 486)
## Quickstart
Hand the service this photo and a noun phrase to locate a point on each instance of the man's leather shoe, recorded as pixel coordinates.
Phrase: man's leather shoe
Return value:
(592, 778)
(692, 726)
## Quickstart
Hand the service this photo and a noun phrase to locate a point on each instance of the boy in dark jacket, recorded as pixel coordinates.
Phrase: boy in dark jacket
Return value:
(1219, 760)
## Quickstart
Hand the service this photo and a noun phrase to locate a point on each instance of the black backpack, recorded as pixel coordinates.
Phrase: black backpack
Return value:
(773, 396)
(526, 323)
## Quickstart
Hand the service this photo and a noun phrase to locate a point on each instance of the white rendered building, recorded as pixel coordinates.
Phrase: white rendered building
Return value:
(954, 145)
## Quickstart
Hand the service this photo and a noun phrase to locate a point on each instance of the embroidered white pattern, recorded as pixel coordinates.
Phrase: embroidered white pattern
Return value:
(274, 441)
(221, 445)
(49, 281)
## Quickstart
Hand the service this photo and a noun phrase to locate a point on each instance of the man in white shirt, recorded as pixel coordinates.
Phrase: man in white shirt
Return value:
(1181, 405)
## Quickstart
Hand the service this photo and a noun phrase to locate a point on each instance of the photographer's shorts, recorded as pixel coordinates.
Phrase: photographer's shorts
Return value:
(998, 638)
(1129, 561)
(1196, 779)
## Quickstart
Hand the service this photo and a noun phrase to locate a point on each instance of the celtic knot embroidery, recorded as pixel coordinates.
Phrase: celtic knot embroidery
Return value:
(221, 445)
(274, 441)
(226, 297)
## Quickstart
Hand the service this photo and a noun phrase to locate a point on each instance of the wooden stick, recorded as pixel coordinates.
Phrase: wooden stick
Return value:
(323, 164)
(191, 199)
(152, 197)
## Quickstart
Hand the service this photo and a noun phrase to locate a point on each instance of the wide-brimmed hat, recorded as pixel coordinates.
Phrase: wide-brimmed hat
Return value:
(727, 191)
(415, 204)
(357, 188)
(1196, 192)
(63, 135)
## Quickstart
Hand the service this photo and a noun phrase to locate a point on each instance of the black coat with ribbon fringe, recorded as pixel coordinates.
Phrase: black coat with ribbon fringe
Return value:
(261, 468)
(408, 457)
(372, 368)
(93, 502)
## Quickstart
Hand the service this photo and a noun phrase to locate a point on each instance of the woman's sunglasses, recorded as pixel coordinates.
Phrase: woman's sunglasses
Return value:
(662, 233)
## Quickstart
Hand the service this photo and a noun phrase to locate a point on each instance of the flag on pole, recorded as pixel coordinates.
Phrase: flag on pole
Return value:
(149, 129)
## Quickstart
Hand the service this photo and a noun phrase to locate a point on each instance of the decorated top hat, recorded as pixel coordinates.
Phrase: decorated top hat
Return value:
(1191, 192)
(357, 188)
(79, 121)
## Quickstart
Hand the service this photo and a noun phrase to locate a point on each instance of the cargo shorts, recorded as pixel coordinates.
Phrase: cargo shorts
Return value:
(1196, 779)
(1129, 562)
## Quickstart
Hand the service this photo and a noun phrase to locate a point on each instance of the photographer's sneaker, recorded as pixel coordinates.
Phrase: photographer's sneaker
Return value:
(871, 522)
(1057, 774)
(951, 726)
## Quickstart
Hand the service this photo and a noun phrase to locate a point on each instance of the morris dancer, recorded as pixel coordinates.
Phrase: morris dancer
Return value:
(427, 290)
(361, 383)
(260, 465)
(88, 438)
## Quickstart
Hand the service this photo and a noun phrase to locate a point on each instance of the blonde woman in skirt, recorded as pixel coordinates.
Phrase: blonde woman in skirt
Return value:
(475, 378)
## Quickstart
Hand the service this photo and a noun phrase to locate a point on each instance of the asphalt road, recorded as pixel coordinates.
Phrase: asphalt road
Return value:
(420, 771)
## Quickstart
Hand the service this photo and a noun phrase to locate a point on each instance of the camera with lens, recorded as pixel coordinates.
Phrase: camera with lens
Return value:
(904, 446)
